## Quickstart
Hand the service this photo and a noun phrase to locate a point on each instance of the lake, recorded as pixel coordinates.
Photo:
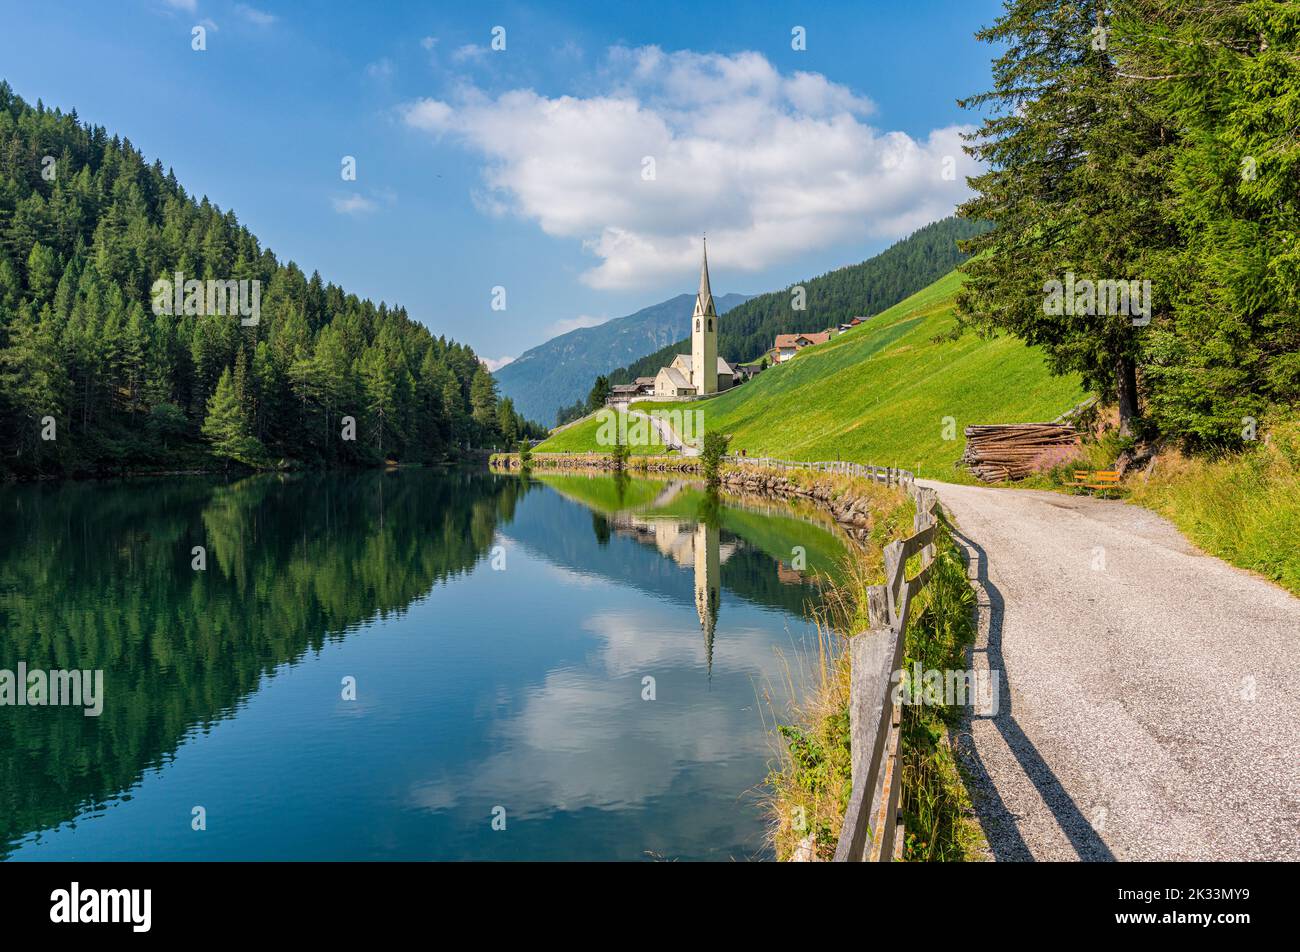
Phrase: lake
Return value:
(401, 665)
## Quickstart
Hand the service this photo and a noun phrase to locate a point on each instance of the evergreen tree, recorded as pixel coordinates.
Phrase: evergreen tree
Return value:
(600, 391)
(1076, 162)
(227, 424)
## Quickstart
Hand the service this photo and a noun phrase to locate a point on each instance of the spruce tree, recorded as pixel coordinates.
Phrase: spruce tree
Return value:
(227, 424)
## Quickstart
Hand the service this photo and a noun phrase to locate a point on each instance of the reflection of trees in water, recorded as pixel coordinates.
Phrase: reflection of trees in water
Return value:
(99, 576)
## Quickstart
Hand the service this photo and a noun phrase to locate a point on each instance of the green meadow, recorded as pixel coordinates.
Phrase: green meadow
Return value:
(892, 391)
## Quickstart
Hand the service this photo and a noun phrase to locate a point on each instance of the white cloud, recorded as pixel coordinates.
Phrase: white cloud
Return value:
(470, 51)
(771, 165)
(380, 69)
(494, 364)
(566, 324)
(255, 16)
(429, 42)
(354, 204)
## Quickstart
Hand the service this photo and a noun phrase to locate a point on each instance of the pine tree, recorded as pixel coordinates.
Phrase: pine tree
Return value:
(1076, 181)
(227, 425)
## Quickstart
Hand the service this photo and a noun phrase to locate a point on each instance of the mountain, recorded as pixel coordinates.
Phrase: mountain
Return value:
(897, 390)
(561, 371)
(858, 290)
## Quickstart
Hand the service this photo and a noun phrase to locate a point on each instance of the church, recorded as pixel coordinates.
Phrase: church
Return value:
(702, 372)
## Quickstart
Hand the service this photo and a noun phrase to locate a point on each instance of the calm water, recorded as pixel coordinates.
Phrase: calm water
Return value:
(499, 631)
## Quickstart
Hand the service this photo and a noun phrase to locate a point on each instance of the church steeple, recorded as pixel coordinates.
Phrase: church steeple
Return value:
(704, 335)
(704, 298)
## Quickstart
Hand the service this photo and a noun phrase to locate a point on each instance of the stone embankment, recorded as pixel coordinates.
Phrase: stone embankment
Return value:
(830, 492)
(835, 493)
(598, 461)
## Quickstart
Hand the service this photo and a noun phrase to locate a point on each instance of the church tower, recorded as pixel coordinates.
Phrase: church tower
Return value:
(708, 577)
(704, 335)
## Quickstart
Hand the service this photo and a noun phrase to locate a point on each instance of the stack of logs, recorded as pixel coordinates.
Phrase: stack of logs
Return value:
(1015, 450)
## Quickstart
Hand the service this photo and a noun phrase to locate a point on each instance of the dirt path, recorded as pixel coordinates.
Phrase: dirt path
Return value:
(667, 435)
(1150, 694)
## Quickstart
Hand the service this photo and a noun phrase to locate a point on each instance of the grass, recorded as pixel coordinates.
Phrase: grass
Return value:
(581, 438)
(811, 784)
(880, 393)
(1243, 507)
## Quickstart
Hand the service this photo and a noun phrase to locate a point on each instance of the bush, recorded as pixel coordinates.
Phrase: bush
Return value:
(715, 447)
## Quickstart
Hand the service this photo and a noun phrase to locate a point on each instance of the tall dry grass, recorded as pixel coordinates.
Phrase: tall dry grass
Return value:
(810, 783)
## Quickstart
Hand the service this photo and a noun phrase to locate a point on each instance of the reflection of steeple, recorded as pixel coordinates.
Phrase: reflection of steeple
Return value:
(706, 584)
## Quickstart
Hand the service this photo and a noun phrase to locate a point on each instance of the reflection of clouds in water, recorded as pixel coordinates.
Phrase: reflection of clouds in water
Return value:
(586, 739)
(563, 573)
(635, 642)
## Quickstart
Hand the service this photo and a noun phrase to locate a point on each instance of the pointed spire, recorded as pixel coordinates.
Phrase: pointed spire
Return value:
(704, 299)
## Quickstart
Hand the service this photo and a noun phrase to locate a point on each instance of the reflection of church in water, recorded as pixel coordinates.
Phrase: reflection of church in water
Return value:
(693, 545)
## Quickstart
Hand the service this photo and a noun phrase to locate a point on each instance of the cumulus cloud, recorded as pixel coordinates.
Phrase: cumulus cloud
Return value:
(770, 164)
(493, 364)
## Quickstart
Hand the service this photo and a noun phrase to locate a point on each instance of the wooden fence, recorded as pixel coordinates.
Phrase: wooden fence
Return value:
(871, 830)
(888, 475)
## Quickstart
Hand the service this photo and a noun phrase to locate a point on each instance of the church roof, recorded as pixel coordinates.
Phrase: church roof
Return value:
(675, 376)
(704, 297)
(724, 367)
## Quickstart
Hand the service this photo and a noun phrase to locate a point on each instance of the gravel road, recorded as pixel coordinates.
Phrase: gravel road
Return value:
(1149, 693)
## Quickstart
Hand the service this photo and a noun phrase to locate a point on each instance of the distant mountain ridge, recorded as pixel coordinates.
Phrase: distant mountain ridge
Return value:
(561, 371)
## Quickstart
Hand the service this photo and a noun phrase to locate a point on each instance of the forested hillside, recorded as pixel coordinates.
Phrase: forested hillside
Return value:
(859, 290)
(93, 380)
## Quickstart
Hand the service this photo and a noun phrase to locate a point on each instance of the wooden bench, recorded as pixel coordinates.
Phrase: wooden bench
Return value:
(1096, 478)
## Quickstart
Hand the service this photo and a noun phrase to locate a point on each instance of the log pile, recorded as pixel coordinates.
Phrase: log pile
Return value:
(1015, 450)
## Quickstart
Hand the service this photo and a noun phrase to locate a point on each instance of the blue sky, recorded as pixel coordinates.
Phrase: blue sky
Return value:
(525, 168)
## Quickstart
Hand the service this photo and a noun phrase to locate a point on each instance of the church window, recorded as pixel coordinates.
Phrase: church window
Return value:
(697, 323)
(710, 323)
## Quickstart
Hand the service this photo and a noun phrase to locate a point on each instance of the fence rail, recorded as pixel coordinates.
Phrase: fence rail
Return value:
(871, 829)
(889, 475)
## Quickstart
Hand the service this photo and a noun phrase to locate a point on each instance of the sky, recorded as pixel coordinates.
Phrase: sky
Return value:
(574, 166)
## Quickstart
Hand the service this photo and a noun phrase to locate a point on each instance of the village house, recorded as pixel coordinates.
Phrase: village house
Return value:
(787, 345)
(627, 392)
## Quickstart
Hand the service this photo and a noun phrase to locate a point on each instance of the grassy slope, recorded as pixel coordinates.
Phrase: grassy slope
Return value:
(581, 438)
(1242, 507)
(879, 393)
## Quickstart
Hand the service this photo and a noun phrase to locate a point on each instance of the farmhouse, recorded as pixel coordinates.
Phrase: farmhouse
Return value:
(787, 345)
(626, 392)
